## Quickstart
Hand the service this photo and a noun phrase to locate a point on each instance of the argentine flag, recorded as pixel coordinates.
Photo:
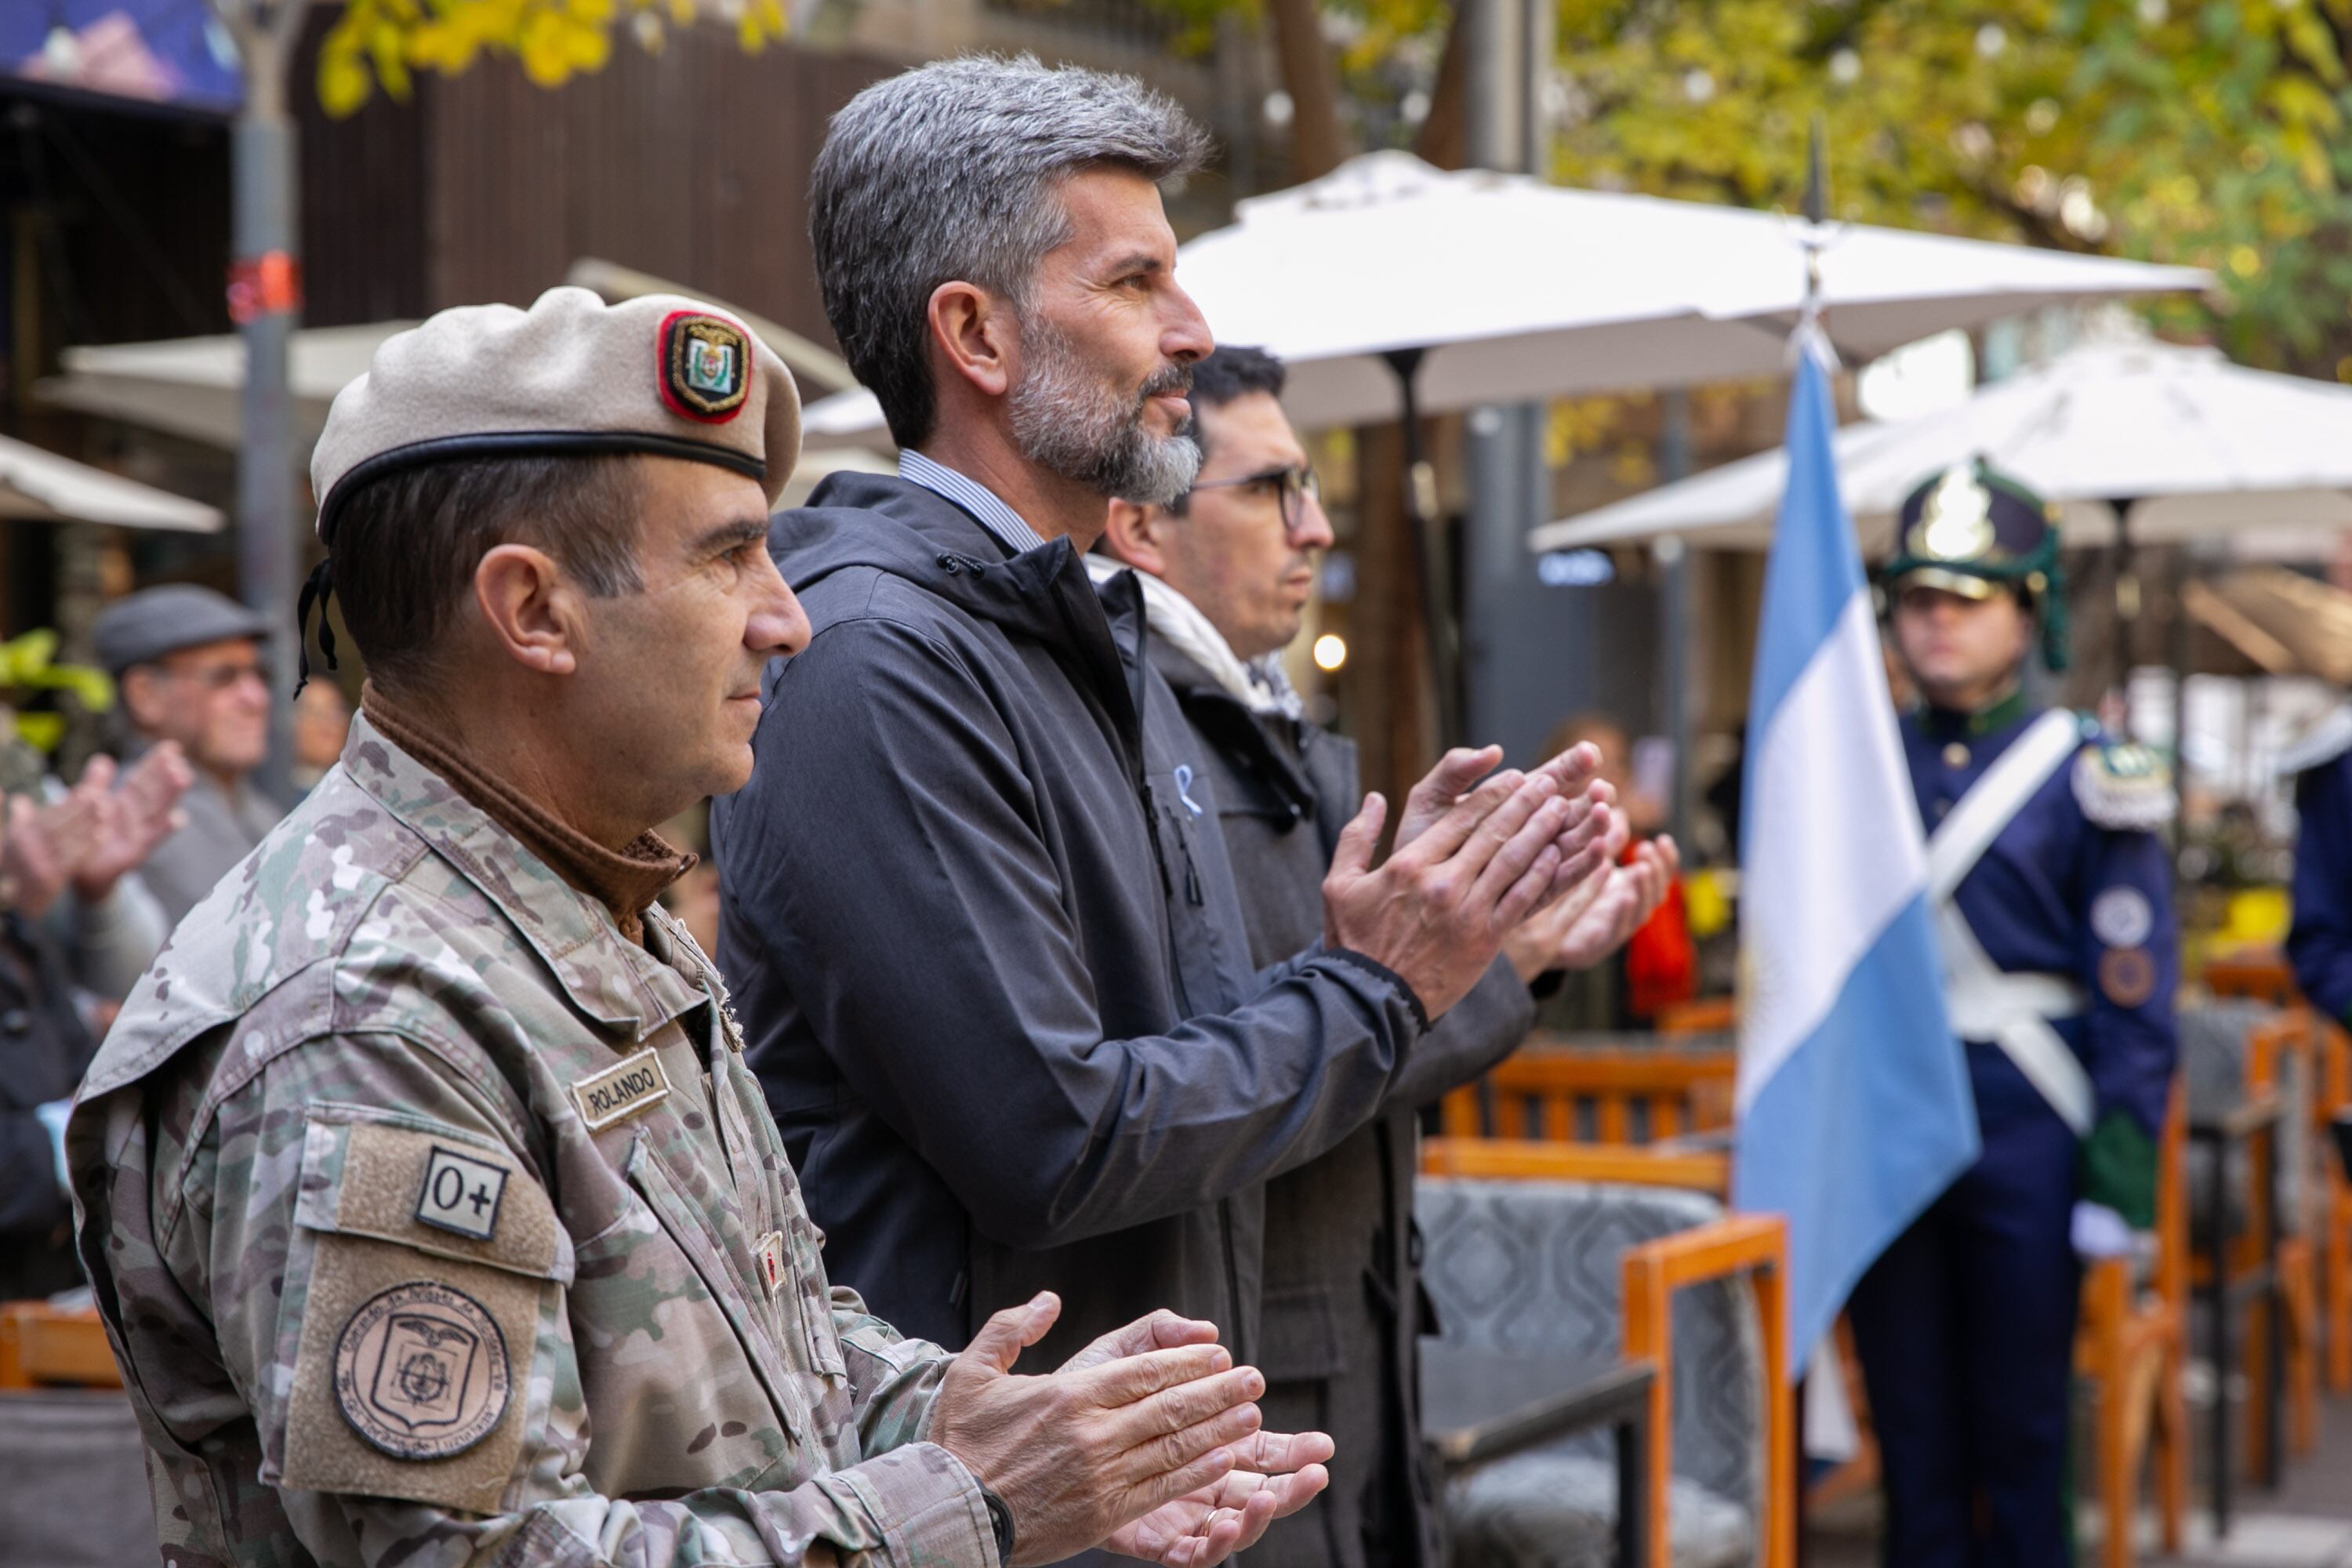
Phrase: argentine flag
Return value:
(1854, 1105)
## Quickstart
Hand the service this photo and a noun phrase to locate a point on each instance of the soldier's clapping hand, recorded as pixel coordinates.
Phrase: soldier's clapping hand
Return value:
(1146, 1442)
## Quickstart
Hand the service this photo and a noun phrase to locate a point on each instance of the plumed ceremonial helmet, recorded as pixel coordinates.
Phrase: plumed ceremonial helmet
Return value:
(1973, 531)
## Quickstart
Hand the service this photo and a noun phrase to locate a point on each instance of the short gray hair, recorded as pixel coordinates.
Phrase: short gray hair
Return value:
(948, 173)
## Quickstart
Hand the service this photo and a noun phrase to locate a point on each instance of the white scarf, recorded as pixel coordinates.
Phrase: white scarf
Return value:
(1259, 684)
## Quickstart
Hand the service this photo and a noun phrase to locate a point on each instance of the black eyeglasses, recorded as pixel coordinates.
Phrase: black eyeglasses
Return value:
(1293, 483)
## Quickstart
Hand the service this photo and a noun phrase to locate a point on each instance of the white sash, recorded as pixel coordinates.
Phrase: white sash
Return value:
(1988, 1002)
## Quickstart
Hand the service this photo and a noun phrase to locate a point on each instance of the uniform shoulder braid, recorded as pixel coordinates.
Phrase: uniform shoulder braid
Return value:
(2122, 785)
(2320, 744)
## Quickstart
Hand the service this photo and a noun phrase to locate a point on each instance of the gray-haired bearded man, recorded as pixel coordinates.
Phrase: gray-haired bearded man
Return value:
(975, 901)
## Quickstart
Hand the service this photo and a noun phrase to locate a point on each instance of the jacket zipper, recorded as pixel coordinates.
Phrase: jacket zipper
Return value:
(1232, 1278)
(1191, 868)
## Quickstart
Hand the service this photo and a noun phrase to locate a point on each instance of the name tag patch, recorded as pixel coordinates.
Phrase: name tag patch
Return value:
(461, 1194)
(632, 1085)
(771, 1254)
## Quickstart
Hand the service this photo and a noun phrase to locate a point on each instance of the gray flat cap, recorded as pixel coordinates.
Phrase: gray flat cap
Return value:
(142, 627)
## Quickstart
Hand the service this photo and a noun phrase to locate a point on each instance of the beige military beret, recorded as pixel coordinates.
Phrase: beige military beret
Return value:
(659, 374)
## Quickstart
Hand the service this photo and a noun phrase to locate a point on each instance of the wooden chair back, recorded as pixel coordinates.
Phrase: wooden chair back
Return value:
(44, 1346)
(1700, 1171)
(1560, 1093)
(2261, 975)
(1700, 1015)
(1756, 1246)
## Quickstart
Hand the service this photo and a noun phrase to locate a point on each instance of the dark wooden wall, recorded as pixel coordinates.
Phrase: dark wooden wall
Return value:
(691, 165)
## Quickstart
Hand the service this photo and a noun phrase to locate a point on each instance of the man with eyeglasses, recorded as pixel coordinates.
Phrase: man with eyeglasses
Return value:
(187, 665)
(1226, 571)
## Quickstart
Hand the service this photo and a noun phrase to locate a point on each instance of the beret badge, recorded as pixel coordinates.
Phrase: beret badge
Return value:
(705, 366)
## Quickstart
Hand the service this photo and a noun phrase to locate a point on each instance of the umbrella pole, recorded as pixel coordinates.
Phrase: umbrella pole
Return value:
(2127, 605)
(1420, 513)
(1674, 619)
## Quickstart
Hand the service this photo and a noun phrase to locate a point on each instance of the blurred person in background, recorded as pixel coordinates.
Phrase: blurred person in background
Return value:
(69, 948)
(1226, 571)
(2054, 919)
(2319, 942)
(188, 664)
(322, 722)
(1658, 965)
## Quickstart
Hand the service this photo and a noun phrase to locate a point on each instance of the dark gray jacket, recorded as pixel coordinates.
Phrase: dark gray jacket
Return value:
(982, 932)
(1342, 1300)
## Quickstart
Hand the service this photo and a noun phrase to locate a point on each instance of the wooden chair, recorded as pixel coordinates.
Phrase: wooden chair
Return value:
(2131, 1348)
(44, 1346)
(2334, 1052)
(1754, 1246)
(2295, 1036)
(2264, 975)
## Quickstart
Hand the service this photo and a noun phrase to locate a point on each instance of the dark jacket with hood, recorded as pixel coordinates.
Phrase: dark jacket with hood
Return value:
(1343, 1304)
(983, 932)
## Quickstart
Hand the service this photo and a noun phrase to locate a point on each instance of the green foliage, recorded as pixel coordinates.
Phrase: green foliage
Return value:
(2207, 132)
(2207, 135)
(379, 42)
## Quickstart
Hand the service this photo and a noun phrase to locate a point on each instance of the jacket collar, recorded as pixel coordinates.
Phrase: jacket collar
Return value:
(1041, 596)
(1248, 738)
(617, 983)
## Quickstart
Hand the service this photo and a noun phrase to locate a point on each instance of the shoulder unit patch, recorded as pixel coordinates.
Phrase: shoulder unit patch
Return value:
(2123, 786)
(421, 1372)
(2325, 741)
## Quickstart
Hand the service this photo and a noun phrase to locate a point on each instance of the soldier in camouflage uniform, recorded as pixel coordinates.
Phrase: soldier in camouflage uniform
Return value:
(433, 1214)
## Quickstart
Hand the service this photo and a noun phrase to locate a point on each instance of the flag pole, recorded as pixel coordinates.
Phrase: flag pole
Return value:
(1810, 336)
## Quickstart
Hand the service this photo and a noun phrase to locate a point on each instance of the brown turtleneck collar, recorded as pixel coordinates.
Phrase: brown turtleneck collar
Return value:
(625, 881)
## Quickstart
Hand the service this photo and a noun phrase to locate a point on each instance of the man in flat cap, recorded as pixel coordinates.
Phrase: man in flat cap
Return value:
(431, 1210)
(188, 663)
(2055, 923)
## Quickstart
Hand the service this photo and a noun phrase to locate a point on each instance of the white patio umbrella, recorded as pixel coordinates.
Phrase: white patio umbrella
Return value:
(1504, 289)
(2192, 444)
(192, 386)
(40, 485)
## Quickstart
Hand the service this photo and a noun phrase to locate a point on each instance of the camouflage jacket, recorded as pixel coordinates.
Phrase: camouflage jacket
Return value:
(435, 1223)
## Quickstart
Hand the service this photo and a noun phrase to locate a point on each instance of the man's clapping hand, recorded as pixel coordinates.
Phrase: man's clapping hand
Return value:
(1472, 861)
(1599, 917)
(1143, 1442)
(95, 833)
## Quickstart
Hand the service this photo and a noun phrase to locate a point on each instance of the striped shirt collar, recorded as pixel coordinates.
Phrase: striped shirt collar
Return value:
(975, 497)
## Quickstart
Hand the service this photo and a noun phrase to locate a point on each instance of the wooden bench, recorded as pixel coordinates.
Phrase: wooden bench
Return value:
(42, 1346)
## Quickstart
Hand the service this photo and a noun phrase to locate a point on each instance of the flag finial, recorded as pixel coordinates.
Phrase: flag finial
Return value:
(1817, 176)
(1810, 337)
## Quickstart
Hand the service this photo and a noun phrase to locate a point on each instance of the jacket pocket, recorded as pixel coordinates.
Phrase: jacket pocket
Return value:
(1299, 1340)
(1183, 810)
